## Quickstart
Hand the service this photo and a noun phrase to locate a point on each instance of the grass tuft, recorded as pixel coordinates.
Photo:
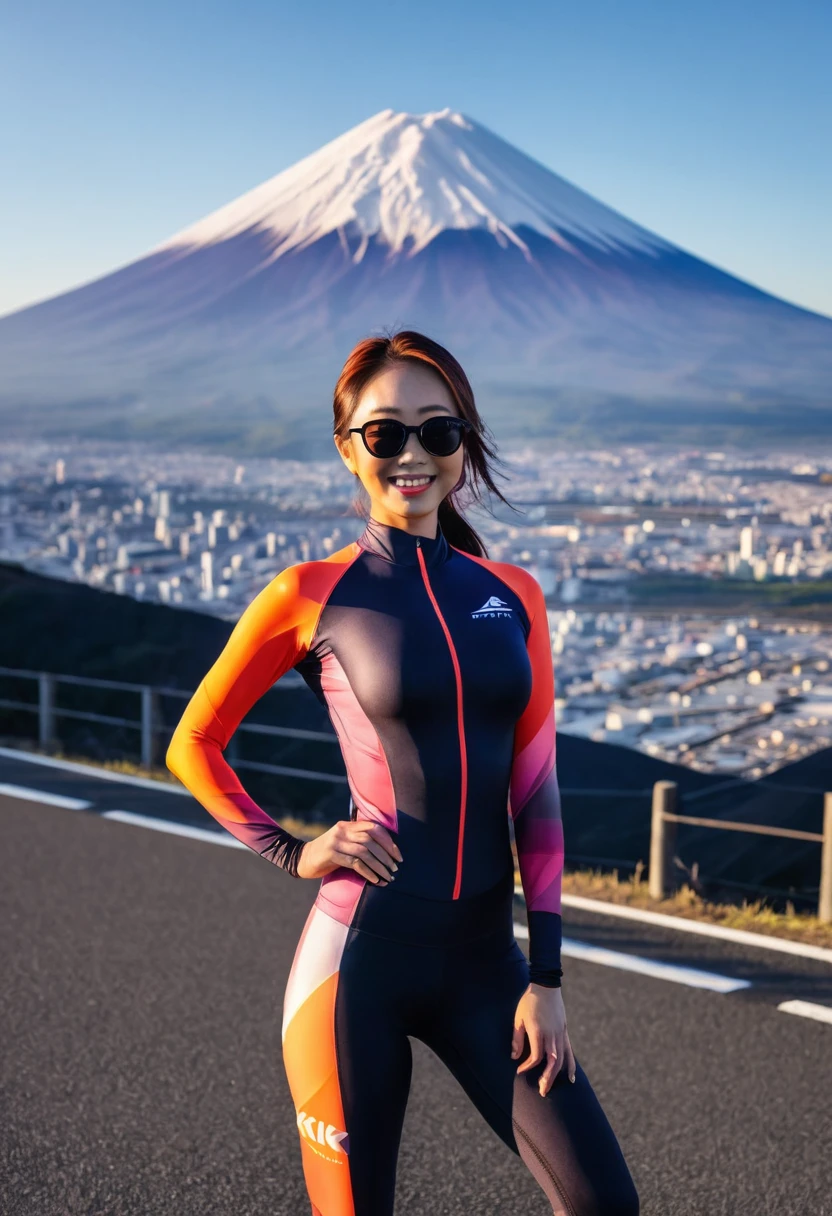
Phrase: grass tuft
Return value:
(753, 915)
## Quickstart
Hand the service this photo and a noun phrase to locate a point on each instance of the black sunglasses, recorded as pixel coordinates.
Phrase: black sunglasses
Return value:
(440, 435)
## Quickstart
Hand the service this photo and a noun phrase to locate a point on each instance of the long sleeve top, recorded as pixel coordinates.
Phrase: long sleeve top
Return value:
(435, 668)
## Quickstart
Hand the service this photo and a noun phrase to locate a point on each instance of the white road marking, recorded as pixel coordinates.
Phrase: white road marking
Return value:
(89, 770)
(684, 924)
(22, 791)
(691, 976)
(806, 1009)
(174, 829)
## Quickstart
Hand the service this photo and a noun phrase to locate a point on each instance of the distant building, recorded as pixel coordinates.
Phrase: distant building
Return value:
(206, 570)
(218, 534)
(747, 544)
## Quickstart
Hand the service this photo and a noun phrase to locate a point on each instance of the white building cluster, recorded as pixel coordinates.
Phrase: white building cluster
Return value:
(732, 696)
(689, 592)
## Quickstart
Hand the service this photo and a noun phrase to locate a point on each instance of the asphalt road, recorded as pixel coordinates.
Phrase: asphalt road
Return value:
(141, 1071)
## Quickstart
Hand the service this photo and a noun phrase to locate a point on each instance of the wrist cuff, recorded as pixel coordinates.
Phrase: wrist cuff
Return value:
(547, 977)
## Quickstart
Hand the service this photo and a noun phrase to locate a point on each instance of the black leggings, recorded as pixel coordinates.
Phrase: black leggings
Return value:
(450, 973)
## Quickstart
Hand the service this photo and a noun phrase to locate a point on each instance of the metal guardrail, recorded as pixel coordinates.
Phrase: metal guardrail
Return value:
(664, 793)
(149, 723)
(663, 841)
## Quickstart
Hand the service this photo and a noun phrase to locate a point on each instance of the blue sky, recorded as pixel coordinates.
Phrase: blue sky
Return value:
(709, 122)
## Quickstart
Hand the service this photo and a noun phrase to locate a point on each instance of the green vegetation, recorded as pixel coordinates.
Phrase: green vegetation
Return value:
(732, 595)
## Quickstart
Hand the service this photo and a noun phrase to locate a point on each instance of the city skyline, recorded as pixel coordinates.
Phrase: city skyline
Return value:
(687, 592)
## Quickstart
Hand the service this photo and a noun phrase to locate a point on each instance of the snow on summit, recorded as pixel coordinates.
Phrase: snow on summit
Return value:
(404, 178)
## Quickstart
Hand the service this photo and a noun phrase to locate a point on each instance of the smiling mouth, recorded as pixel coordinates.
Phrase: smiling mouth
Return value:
(422, 480)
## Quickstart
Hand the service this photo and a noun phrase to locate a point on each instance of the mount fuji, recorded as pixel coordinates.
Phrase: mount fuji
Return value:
(567, 316)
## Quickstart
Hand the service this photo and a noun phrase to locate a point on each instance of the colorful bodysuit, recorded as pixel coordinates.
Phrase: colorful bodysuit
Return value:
(435, 668)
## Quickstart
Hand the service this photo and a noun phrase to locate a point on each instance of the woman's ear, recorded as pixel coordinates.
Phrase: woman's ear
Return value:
(344, 451)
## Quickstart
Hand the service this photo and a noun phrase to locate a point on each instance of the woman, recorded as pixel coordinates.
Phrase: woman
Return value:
(434, 664)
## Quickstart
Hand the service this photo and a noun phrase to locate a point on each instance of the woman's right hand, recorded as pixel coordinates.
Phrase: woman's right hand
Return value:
(358, 844)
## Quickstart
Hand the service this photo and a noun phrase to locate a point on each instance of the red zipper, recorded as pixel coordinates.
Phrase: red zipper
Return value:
(463, 757)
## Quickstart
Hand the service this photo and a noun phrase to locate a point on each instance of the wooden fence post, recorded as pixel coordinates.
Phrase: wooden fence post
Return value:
(662, 837)
(825, 894)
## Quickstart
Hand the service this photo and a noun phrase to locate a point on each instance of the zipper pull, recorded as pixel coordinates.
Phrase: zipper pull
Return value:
(418, 542)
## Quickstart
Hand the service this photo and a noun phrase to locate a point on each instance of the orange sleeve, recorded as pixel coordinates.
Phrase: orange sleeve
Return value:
(269, 638)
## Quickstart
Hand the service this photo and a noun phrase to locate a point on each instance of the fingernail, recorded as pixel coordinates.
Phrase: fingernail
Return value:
(572, 1078)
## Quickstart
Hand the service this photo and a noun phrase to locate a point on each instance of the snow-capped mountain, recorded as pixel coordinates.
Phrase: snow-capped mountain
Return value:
(549, 299)
(402, 180)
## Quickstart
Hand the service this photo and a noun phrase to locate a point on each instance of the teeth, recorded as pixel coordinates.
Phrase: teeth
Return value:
(403, 481)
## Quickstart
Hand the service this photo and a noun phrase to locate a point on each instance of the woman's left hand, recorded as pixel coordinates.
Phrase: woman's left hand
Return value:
(541, 1015)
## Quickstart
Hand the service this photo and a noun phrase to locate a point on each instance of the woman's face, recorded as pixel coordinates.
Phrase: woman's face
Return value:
(410, 393)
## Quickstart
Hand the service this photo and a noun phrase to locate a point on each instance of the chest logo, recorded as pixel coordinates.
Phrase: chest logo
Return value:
(493, 606)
